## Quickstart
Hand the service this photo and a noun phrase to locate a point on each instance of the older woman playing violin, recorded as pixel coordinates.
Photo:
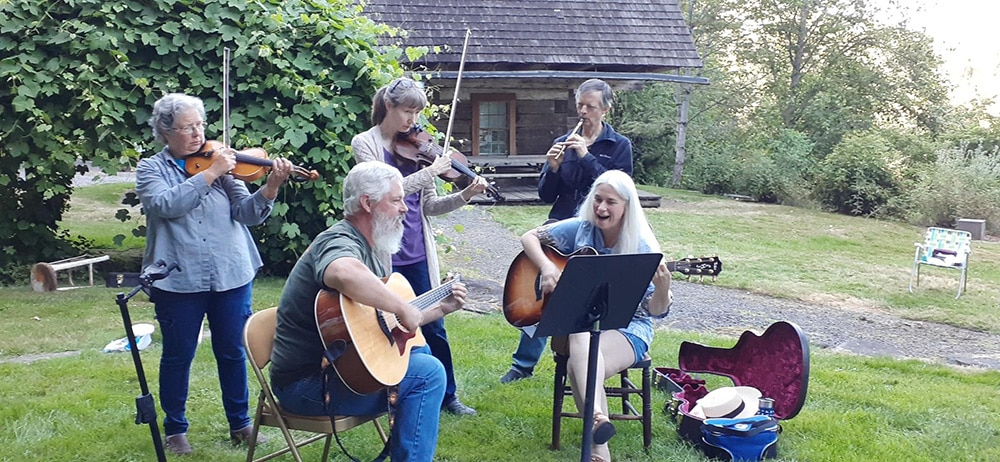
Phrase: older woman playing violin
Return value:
(395, 108)
(200, 222)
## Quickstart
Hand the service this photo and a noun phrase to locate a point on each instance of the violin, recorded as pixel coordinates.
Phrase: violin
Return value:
(415, 146)
(251, 164)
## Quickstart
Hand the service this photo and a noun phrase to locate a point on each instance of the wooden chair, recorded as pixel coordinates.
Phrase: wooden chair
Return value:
(624, 390)
(258, 337)
(943, 248)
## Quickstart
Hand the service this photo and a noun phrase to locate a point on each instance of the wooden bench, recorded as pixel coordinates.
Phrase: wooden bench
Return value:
(507, 161)
(44, 276)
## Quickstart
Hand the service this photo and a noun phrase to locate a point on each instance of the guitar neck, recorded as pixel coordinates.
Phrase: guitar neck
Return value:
(433, 296)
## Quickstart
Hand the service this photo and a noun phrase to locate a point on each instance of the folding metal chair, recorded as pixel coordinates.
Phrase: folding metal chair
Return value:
(258, 337)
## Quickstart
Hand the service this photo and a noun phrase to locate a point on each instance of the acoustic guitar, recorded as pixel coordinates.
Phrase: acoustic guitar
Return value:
(523, 301)
(376, 348)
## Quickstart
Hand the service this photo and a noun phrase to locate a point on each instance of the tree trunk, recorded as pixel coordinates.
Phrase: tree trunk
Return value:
(683, 100)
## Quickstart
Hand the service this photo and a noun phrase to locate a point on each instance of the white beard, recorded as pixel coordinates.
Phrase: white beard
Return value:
(387, 233)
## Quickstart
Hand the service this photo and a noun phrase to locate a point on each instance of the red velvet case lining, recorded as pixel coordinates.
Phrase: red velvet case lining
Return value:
(776, 363)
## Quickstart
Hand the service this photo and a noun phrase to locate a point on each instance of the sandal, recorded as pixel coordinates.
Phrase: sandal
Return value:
(599, 457)
(603, 428)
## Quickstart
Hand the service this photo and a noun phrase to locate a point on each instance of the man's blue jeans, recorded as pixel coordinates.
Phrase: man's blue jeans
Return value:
(180, 316)
(437, 338)
(529, 351)
(415, 429)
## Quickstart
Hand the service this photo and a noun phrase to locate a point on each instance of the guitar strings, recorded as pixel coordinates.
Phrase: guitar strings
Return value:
(431, 297)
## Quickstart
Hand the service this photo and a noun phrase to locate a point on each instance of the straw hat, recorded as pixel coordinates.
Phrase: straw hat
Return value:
(728, 402)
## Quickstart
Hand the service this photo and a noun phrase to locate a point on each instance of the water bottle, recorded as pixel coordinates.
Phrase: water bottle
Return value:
(765, 407)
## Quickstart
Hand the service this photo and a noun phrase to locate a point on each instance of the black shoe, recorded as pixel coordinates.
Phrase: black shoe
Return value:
(513, 375)
(458, 408)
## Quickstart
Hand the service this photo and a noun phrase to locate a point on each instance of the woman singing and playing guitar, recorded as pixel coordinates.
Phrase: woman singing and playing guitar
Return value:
(611, 221)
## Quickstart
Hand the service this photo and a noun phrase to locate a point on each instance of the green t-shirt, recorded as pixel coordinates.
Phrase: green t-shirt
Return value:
(298, 348)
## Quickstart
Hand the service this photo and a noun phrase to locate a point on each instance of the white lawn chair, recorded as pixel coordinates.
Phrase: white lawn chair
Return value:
(943, 248)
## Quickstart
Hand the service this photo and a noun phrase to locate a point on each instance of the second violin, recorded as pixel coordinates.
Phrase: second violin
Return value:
(416, 146)
(251, 164)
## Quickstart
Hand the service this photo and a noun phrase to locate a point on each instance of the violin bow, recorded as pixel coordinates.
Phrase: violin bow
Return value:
(225, 97)
(454, 98)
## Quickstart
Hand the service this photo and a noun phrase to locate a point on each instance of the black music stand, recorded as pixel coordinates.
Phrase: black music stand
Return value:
(596, 293)
(145, 408)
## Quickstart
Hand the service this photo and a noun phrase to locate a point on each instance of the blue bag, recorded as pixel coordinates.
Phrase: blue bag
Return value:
(747, 439)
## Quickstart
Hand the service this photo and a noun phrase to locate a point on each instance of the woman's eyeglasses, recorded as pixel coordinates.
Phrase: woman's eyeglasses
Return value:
(190, 129)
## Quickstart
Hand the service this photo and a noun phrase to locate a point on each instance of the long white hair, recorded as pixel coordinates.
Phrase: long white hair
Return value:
(635, 228)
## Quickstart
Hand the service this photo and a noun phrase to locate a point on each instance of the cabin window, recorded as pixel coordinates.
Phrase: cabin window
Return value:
(493, 124)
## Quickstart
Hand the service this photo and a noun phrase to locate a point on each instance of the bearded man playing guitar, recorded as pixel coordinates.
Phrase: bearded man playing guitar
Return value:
(347, 262)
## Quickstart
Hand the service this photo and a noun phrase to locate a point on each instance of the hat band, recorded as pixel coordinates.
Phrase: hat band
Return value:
(736, 411)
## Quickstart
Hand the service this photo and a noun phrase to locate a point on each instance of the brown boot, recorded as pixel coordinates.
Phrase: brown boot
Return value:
(245, 434)
(178, 444)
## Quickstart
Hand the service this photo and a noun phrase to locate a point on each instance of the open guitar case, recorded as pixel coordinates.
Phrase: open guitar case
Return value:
(776, 363)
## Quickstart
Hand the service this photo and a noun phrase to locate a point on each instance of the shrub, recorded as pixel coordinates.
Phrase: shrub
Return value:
(712, 172)
(860, 176)
(958, 185)
(767, 168)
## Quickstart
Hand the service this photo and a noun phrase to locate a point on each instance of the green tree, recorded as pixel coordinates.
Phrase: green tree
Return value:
(973, 128)
(833, 69)
(80, 77)
(640, 115)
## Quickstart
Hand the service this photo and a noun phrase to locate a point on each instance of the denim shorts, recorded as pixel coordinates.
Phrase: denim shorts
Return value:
(638, 346)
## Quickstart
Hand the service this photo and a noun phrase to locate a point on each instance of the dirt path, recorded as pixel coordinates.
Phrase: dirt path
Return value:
(483, 251)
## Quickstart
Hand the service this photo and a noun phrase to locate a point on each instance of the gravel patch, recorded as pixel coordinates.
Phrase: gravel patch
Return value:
(96, 176)
(483, 250)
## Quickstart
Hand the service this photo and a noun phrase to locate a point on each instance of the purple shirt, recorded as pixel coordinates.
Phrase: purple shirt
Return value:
(413, 249)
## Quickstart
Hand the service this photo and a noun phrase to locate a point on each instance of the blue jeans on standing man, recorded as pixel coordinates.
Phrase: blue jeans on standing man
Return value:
(529, 351)
(437, 338)
(180, 316)
(415, 428)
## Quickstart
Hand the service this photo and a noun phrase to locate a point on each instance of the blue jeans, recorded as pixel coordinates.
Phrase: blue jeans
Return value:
(180, 316)
(415, 429)
(529, 351)
(437, 338)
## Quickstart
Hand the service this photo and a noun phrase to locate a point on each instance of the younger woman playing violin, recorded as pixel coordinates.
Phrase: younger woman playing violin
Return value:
(200, 222)
(395, 108)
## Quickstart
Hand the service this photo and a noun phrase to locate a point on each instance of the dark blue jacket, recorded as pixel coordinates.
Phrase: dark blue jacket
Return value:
(566, 188)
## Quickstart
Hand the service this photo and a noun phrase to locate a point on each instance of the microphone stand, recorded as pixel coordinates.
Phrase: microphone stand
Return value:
(144, 405)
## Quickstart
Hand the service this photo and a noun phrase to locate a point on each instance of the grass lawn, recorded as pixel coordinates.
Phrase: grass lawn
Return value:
(81, 406)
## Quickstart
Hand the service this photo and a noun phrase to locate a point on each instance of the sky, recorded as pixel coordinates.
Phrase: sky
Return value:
(966, 35)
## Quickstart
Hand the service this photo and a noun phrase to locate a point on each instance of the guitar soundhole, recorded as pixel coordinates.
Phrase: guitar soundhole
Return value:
(382, 325)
